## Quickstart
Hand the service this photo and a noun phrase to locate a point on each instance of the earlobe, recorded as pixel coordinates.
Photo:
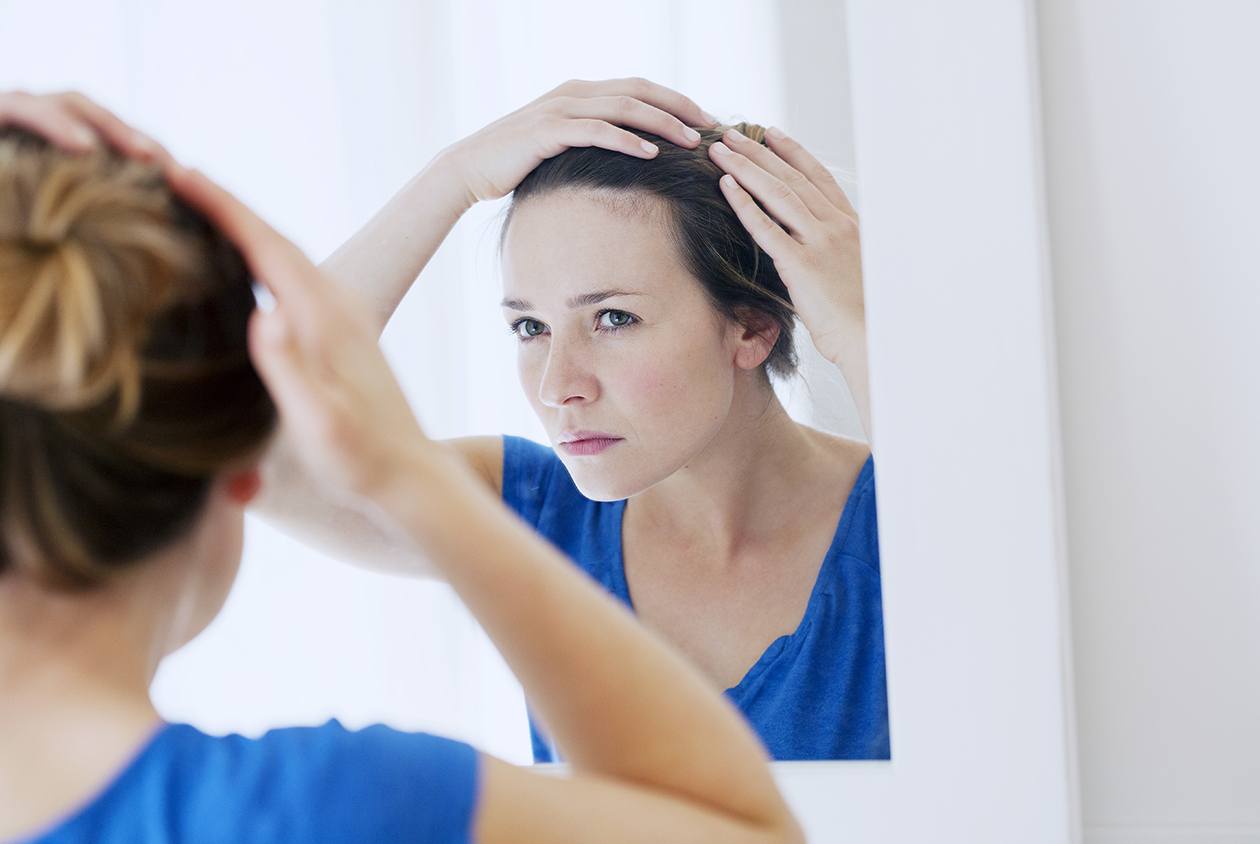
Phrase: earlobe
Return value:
(243, 486)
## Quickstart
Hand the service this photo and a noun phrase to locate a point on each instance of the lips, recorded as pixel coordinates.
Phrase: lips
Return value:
(567, 437)
(584, 443)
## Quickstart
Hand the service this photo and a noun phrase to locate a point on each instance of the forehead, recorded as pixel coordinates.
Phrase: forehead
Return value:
(571, 241)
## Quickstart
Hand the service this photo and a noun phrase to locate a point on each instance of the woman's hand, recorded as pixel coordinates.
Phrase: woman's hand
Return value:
(818, 256)
(493, 161)
(76, 124)
(317, 352)
(811, 234)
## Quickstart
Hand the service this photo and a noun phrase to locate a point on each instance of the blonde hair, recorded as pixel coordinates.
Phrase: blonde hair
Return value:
(125, 380)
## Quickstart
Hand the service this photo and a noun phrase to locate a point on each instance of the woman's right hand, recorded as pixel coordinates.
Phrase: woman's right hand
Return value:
(494, 160)
(317, 352)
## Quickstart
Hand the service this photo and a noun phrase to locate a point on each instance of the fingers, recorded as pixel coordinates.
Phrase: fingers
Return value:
(584, 132)
(778, 198)
(625, 110)
(661, 97)
(819, 204)
(800, 158)
(298, 286)
(47, 120)
(777, 243)
(129, 141)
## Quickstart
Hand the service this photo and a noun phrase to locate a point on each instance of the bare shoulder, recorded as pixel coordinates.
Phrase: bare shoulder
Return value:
(484, 455)
(849, 453)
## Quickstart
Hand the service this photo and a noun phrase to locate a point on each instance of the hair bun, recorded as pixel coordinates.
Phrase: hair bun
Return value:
(87, 255)
(752, 131)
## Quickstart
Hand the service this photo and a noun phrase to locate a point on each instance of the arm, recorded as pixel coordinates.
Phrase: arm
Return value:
(341, 527)
(379, 263)
(384, 258)
(851, 361)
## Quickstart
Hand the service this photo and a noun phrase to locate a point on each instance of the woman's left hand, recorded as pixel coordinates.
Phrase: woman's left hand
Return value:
(75, 123)
(811, 232)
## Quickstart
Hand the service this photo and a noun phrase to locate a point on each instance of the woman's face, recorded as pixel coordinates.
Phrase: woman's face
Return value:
(644, 357)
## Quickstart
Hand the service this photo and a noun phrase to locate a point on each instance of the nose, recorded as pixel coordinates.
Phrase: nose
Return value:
(568, 377)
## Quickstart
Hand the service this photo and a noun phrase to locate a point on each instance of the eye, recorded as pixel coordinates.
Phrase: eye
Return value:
(616, 320)
(533, 328)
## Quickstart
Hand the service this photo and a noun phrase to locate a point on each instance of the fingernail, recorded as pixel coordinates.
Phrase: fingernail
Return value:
(721, 148)
(692, 134)
(84, 136)
(736, 134)
(776, 133)
(713, 120)
(648, 147)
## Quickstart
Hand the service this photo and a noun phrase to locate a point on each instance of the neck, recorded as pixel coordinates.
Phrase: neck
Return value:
(83, 657)
(740, 488)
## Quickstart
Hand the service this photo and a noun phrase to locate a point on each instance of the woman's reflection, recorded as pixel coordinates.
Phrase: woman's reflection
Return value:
(652, 304)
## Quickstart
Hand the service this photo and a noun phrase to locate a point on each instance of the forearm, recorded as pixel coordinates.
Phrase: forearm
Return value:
(619, 701)
(851, 359)
(383, 259)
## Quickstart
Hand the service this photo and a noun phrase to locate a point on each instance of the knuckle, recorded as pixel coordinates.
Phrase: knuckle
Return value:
(625, 104)
(846, 227)
(558, 105)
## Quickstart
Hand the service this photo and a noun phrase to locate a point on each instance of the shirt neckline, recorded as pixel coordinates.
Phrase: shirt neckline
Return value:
(824, 570)
(81, 809)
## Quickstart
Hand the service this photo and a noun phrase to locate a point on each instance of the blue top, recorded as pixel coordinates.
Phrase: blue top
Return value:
(818, 693)
(322, 783)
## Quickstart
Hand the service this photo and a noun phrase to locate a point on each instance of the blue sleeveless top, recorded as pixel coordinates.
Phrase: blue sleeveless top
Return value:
(322, 783)
(818, 693)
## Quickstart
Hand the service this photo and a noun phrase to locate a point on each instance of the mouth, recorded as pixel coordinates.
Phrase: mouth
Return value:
(584, 445)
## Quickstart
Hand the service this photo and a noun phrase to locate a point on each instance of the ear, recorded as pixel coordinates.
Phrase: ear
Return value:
(241, 486)
(757, 332)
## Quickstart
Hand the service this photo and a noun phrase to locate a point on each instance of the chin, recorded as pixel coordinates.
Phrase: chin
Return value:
(606, 486)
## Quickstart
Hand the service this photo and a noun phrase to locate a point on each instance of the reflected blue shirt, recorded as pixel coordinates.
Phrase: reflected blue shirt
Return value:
(818, 693)
(322, 783)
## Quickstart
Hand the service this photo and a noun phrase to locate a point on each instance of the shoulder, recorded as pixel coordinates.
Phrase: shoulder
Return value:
(329, 782)
(484, 455)
(855, 473)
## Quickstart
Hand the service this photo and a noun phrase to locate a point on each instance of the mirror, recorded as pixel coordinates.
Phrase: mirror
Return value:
(732, 511)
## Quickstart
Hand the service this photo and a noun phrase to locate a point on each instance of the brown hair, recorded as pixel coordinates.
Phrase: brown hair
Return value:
(736, 274)
(125, 380)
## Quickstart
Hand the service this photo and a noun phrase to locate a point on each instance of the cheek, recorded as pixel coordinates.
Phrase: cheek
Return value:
(529, 369)
(678, 386)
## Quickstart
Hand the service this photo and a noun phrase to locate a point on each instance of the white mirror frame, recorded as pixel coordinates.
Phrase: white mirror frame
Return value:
(966, 419)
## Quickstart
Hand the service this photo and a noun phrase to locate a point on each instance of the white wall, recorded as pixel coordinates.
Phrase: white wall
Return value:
(1153, 148)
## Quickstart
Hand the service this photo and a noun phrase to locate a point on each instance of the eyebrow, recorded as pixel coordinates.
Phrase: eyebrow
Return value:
(579, 301)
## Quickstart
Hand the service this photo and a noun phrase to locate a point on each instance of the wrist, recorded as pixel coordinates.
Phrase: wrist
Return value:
(424, 485)
(443, 179)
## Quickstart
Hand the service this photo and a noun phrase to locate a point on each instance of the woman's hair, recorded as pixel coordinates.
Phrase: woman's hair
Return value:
(125, 380)
(736, 274)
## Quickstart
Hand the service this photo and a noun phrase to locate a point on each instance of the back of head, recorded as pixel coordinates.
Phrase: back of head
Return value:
(125, 380)
(738, 277)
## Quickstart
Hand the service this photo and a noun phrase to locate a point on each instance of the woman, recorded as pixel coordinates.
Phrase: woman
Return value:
(677, 479)
(131, 423)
